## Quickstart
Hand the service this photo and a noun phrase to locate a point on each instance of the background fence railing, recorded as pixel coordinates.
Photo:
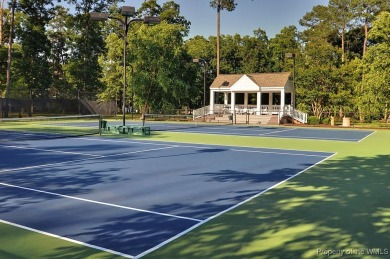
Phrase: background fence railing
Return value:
(54, 107)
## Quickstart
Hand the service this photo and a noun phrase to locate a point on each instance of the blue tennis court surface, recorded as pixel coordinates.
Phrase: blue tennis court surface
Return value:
(352, 135)
(127, 197)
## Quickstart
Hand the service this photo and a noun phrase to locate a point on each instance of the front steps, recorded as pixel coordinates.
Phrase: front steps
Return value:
(244, 119)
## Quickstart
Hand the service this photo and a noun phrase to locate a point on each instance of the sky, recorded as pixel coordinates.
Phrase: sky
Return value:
(269, 15)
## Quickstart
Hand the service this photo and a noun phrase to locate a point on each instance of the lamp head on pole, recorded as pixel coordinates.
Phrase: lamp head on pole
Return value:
(199, 60)
(128, 11)
(290, 55)
(96, 16)
(152, 20)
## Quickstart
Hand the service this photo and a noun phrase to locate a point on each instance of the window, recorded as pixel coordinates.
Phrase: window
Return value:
(265, 98)
(276, 99)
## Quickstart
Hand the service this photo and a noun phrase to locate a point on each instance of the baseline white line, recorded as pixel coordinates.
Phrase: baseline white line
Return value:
(66, 239)
(216, 132)
(79, 160)
(367, 136)
(201, 145)
(50, 150)
(263, 135)
(138, 151)
(279, 153)
(227, 210)
(278, 131)
(210, 146)
(99, 202)
(129, 141)
(45, 165)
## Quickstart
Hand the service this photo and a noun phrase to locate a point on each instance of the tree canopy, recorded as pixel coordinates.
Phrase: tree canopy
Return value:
(340, 56)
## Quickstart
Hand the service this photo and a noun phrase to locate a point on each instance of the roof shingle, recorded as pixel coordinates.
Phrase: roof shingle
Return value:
(261, 79)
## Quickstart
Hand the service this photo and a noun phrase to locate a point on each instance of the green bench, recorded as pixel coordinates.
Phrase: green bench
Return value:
(137, 130)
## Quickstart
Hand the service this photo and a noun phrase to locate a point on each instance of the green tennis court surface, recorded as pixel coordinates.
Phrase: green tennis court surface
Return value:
(339, 204)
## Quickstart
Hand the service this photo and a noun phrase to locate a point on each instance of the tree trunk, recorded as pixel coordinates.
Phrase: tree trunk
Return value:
(218, 33)
(343, 44)
(8, 88)
(1, 21)
(365, 37)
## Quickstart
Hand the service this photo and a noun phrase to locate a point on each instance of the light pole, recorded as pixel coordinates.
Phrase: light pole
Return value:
(132, 94)
(204, 64)
(127, 12)
(292, 55)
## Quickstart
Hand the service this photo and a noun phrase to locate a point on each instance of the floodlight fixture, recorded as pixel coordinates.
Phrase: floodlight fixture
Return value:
(152, 20)
(290, 55)
(96, 16)
(128, 11)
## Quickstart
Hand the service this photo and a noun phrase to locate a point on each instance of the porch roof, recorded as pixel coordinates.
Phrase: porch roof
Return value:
(260, 79)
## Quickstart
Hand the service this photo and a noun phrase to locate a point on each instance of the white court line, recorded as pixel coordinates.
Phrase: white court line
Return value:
(278, 131)
(100, 203)
(66, 239)
(279, 153)
(266, 136)
(216, 132)
(367, 136)
(315, 138)
(211, 146)
(50, 150)
(205, 146)
(227, 210)
(80, 160)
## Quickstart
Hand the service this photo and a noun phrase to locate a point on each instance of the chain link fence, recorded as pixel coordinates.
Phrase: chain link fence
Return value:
(13, 108)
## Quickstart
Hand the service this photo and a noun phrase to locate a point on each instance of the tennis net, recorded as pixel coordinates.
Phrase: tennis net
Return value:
(169, 122)
(166, 122)
(34, 128)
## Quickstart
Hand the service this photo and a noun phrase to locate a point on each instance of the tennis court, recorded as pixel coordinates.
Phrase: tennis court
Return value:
(351, 135)
(129, 197)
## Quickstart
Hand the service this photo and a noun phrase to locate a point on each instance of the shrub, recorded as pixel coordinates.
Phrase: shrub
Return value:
(326, 121)
(313, 120)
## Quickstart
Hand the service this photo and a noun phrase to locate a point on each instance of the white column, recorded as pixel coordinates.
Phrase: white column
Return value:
(233, 101)
(226, 98)
(246, 100)
(212, 95)
(258, 108)
(282, 99)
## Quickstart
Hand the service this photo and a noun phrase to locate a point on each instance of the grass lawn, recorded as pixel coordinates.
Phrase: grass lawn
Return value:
(342, 204)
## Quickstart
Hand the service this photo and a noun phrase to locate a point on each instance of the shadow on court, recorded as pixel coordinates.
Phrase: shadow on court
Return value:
(341, 204)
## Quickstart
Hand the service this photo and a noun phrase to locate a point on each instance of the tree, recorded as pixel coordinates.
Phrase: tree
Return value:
(112, 68)
(366, 11)
(314, 89)
(58, 37)
(284, 42)
(10, 41)
(161, 67)
(375, 91)
(228, 5)
(341, 15)
(254, 52)
(1, 21)
(35, 46)
(86, 43)
(230, 54)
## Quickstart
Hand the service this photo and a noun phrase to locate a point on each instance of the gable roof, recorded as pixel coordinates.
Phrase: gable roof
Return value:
(261, 79)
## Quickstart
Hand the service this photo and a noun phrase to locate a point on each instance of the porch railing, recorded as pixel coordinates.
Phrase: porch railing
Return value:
(201, 111)
(294, 113)
(252, 109)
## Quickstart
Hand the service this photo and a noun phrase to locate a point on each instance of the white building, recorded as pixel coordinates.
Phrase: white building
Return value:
(258, 94)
